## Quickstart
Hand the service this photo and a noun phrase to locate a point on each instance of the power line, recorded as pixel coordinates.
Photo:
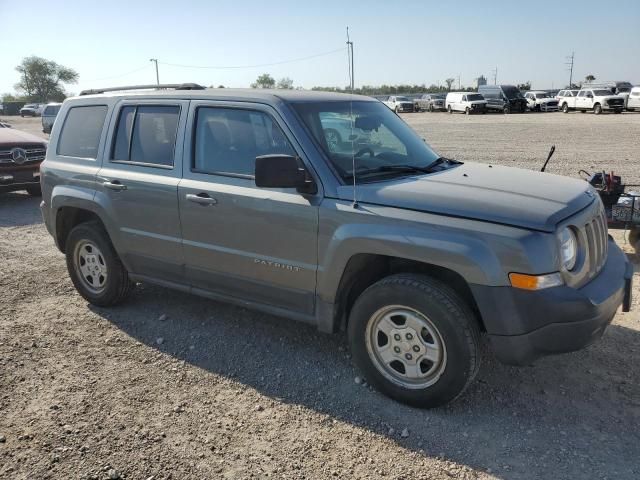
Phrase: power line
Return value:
(225, 67)
(117, 76)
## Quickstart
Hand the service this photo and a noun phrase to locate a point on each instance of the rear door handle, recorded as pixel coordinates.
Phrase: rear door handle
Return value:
(201, 199)
(114, 185)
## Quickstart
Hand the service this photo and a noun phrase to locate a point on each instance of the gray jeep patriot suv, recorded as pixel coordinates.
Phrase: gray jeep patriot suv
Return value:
(239, 195)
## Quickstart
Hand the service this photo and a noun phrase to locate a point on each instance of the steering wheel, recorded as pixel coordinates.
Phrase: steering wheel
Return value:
(364, 150)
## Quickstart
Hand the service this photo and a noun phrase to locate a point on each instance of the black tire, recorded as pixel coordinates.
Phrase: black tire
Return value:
(34, 191)
(617, 111)
(396, 109)
(467, 111)
(506, 110)
(597, 109)
(431, 108)
(565, 108)
(453, 319)
(117, 286)
(449, 109)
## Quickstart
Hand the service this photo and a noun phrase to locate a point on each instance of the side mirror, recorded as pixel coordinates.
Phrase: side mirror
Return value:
(282, 171)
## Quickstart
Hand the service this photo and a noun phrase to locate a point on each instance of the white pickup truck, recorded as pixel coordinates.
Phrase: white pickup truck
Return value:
(597, 100)
(399, 104)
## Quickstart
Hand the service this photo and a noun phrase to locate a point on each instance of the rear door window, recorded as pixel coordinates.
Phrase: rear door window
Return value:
(81, 131)
(146, 135)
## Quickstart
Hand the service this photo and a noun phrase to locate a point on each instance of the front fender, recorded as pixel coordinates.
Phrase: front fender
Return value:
(481, 253)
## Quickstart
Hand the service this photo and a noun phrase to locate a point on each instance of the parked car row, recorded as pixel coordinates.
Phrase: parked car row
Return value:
(604, 97)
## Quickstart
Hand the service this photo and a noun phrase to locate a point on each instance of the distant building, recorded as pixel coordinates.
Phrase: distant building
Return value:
(481, 80)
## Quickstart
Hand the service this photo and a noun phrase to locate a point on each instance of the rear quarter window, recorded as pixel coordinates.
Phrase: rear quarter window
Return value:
(81, 131)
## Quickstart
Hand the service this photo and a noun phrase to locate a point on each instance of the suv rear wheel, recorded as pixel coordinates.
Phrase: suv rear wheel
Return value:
(449, 109)
(597, 109)
(415, 340)
(565, 108)
(94, 266)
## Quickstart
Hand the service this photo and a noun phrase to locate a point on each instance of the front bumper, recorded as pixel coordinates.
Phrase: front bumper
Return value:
(524, 325)
(12, 180)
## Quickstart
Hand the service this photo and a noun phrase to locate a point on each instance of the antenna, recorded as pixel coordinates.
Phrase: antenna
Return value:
(353, 153)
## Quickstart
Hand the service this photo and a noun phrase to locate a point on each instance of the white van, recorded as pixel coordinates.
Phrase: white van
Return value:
(467, 102)
(634, 99)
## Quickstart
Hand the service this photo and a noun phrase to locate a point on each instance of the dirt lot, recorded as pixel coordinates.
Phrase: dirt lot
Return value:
(174, 386)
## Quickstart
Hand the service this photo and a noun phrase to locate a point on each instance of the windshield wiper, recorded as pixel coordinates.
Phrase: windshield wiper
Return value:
(384, 169)
(389, 169)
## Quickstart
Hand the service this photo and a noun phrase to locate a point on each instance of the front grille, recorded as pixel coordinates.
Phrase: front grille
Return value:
(35, 153)
(552, 104)
(615, 101)
(596, 235)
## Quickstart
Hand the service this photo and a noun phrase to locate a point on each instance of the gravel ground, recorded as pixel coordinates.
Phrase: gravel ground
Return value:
(174, 386)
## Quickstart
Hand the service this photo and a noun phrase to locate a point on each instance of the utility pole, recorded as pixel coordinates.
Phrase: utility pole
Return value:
(350, 47)
(155, 60)
(495, 75)
(569, 63)
(459, 86)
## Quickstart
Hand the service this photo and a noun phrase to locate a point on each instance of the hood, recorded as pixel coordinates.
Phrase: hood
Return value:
(505, 195)
(11, 136)
(477, 102)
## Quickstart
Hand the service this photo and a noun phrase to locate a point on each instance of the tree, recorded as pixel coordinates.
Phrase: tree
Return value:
(285, 83)
(524, 86)
(264, 81)
(589, 78)
(41, 79)
(449, 82)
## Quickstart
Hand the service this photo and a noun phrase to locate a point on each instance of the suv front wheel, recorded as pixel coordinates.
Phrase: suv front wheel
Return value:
(415, 340)
(94, 266)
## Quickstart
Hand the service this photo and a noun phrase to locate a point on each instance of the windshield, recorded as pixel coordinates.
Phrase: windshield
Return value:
(512, 92)
(52, 110)
(402, 99)
(475, 96)
(602, 93)
(376, 136)
(624, 89)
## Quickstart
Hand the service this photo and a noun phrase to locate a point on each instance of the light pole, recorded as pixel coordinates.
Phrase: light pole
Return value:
(155, 60)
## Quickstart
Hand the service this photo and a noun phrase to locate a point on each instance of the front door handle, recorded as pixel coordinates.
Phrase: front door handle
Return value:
(114, 185)
(201, 199)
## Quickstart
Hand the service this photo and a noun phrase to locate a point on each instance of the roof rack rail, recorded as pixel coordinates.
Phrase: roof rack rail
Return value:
(166, 86)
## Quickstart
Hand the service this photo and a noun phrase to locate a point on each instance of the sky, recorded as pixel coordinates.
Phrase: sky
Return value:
(409, 42)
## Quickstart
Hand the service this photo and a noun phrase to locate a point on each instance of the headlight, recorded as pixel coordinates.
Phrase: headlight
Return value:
(568, 248)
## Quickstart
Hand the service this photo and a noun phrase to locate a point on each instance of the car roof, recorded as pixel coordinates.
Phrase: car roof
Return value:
(234, 94)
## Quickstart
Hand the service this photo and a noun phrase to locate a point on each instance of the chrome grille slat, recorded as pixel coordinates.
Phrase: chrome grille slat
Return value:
(596, 233)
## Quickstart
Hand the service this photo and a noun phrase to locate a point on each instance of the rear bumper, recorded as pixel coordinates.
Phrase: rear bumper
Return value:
(523, 326)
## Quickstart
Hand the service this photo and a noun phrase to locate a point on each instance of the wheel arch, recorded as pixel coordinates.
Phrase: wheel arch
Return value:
(71, 207)
(364, 269)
